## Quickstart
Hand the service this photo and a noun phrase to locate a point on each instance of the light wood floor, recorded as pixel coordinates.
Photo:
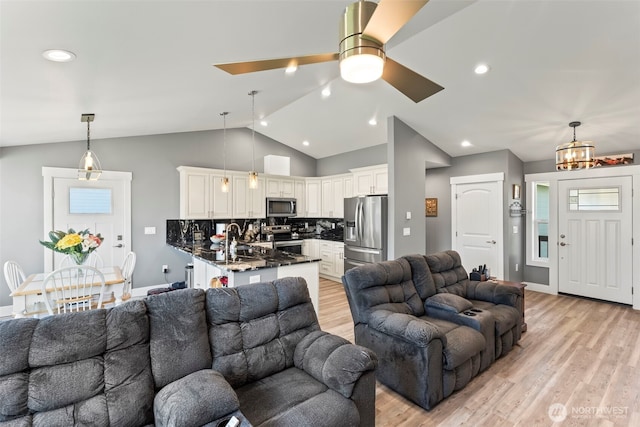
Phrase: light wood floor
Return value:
(583, 354)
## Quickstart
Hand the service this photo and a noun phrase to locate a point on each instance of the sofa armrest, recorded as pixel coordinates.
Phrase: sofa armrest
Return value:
(448, 302)
(494, 293)
(194, 400)
(333, 361)
(407, 327)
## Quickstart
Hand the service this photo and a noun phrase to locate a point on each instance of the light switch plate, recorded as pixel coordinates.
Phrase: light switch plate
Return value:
(254, 279)
(408, 214)
(406, 231)
(515, 229)
(149, 230)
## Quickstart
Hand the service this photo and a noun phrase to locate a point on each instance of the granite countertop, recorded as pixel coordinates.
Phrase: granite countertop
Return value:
(248, 257)
(325, 235)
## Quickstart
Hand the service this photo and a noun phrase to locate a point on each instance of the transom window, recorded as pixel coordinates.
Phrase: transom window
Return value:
(89, 200)
(594, 199)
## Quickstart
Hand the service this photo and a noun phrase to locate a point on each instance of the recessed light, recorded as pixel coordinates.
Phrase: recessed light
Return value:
(59, 55)
(305, 143)
(466, 143)
(373, 121)
(326, 92)
(481, 68)
(264, 123)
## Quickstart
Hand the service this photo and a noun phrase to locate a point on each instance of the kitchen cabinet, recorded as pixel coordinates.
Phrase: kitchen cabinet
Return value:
(331, 259)
(313, 202)
(247, 203)
(300, 192)
(203, 272)
(311, 248)
(333, 194)
(201, 194)
(370, 180)
(279, 187)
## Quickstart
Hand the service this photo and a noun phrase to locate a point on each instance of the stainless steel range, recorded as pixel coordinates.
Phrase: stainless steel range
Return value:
(282, 238)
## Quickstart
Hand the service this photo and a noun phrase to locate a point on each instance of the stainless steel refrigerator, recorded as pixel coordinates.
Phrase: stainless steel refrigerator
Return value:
(365, 230)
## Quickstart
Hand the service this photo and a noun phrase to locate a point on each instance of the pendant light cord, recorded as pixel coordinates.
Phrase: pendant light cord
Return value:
(88, 135)
(224, 139)
(253, 129)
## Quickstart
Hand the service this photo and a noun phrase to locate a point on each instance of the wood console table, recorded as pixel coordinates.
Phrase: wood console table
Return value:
(520, 286)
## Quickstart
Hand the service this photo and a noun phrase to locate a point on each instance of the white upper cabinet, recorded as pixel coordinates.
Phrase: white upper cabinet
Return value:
(300, 193)
(248, 203)
(313, 202)
(334, 190)
(201, 194)
(220, 203)
(280, 187)
(370, 180)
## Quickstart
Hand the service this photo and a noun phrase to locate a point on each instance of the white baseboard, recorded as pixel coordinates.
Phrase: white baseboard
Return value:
(539, 287)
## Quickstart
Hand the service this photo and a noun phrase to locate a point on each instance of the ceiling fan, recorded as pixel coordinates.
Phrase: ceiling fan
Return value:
(364, 29)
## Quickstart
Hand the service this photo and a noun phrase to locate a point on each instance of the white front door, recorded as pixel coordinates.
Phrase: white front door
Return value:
(102, 206)
(477, 224)
(595, 238)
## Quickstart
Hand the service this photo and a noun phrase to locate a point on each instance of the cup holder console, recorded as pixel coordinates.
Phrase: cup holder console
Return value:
(472, 312)
(476, 310)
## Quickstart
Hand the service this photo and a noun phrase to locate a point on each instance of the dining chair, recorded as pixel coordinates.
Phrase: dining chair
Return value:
(93, 260)
(13, 274)
(70, 289)
(127, 271)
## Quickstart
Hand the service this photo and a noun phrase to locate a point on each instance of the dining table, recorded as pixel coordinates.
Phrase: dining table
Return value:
(28, 300)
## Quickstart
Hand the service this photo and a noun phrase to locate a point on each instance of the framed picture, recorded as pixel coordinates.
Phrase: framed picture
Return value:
(516, 192)
(431, 206)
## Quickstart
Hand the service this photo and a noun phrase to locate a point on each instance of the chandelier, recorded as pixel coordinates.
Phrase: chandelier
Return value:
(575, 154)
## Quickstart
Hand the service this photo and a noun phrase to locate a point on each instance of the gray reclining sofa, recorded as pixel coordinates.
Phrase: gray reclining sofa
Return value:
(187, 358)
(432, 329)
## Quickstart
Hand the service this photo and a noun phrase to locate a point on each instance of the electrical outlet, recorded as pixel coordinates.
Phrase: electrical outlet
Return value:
(165, 268)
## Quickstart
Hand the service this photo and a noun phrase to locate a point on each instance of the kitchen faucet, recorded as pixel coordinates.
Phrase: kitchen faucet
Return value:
(226, 240)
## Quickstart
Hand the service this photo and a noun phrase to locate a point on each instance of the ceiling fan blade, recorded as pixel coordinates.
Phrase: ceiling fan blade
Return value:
(407, 81)
(272, 64)
(390, 16)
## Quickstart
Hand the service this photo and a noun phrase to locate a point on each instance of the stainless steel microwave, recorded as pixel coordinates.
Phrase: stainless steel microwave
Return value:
(281, 207)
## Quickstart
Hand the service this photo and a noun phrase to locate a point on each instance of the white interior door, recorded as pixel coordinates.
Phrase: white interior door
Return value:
(102, 206)
(595, 238)
(477, 225)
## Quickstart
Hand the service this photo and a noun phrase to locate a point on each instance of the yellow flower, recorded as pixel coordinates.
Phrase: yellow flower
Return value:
(69, 241)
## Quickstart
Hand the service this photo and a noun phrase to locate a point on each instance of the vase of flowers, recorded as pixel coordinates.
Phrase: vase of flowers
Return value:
(78, 244)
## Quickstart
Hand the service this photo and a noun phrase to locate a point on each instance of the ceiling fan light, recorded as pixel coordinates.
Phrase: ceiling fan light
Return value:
(361, 68)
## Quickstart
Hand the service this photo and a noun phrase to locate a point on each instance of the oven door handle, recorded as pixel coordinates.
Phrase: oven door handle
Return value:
(287, 243)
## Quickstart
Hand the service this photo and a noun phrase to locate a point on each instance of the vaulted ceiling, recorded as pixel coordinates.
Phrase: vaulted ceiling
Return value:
(146, 67)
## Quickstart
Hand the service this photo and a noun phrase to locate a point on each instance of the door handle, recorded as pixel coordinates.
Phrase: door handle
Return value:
(119, 245)
(493, 242)
(564, 244)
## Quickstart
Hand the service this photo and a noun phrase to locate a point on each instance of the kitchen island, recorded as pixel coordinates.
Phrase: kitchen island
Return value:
(252, 264)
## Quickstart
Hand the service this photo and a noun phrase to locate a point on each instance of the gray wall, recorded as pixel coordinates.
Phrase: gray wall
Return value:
(154, 189)
(341, 163)
(438, 229)
(408, 154)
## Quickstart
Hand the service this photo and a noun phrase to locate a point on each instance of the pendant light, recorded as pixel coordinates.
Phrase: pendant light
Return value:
(89, 168)
(575, 154)
(253, 175)
(225, 180)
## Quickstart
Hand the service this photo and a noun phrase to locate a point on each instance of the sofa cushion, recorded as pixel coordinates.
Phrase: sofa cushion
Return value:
(178, 335)
(194, 400)
(386, 285)
(460, 343)
(254, 329)
(89, 367)
(421, 276)
(294, 398)
(448, 273)
(506, 317)
(448, 302)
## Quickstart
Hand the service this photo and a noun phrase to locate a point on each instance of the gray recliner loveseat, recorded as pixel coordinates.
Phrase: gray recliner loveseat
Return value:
(416, 314)
(187, 358)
